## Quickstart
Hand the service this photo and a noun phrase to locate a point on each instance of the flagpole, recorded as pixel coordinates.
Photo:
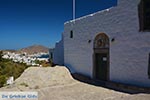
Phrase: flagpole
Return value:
(74, 10)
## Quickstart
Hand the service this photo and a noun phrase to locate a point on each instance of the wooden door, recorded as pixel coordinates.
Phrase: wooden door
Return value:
(101, 62)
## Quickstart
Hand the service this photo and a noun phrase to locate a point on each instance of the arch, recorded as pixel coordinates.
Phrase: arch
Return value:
(101, 57)
(101, 41)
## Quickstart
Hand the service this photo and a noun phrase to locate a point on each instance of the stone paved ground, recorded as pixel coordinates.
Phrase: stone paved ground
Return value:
(82, 91)
(57, 84)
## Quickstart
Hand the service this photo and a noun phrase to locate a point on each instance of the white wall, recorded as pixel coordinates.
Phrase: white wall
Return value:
(128, 53)
(58, 54)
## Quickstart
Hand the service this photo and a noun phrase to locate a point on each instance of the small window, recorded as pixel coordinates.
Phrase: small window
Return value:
(144, 15)
(71, 34)
(149, 66)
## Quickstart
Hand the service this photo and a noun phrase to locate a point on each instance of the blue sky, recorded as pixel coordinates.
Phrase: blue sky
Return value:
(28, 22)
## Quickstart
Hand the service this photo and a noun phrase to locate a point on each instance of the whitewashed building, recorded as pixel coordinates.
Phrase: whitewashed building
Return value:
(111, 45)
(10, 80)
(58, 53)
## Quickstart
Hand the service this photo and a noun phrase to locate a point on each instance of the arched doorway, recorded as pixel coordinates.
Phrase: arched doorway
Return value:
(101, 57)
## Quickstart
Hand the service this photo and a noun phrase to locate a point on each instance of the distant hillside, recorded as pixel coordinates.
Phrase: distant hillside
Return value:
(34, 49)
(9, 51)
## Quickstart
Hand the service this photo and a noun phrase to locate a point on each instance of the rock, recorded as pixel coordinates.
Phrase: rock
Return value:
(39, 77)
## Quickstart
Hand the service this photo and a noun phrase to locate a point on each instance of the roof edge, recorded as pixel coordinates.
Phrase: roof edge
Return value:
(89, 15)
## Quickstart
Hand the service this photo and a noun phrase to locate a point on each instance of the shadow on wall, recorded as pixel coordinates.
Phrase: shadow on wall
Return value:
(70, 68)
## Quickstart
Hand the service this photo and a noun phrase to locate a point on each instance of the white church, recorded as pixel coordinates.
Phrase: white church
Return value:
(109, 45)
